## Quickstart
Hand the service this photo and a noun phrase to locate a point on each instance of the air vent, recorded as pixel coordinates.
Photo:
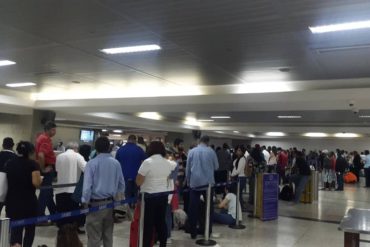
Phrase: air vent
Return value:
(342, 48)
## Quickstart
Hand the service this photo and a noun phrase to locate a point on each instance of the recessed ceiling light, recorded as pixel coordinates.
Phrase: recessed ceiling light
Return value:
(6, 62)
(150, 115)
(104, 130)
(236, 132)
(289, 116)
(275, 134)
(116, 135)
(364, 116)
(205, 120)
(131, 49)
(346, 135)
(315, 134)
(341, 27)
(220, 132)
(117, 131)
(251, 136)
(220, 117)
(20, 84)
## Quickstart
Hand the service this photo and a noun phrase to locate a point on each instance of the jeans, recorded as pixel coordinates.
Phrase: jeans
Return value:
(29, 235)
(224, 218)
(195, 208)
(169, 220)
(367, 176)
(340, 181)
(300, 182)
(46, 197)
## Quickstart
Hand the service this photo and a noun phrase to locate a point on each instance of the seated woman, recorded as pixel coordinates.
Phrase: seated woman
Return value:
(227, 215)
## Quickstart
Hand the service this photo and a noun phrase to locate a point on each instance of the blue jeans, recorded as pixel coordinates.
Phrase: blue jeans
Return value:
(300, 182)
(224, 218)
(340, 181)
(194, 209)
(46, 196)
(169, 220)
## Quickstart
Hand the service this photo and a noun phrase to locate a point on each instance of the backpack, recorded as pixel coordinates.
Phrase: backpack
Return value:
(286, 193)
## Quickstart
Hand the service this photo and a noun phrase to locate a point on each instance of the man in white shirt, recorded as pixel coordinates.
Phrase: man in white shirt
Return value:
(69, 166)
(266, 153)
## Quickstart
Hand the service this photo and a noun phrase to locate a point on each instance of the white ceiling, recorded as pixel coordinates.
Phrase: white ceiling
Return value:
(217, 57)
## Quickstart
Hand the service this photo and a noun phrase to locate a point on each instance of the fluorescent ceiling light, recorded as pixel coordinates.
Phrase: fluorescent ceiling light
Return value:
(236, 132)
(206, 120)
(251, 136)
(315, 134)
(289, 116)
(117, 131)
(150, 115)
(104, 130)
(275, 134)
(20, 84)
(191, 121)
(346, 135)
(116, 135)
(219, 132)
(341, 27)
(364, 116)
(220, 117)
(131, 49)
(6, 62)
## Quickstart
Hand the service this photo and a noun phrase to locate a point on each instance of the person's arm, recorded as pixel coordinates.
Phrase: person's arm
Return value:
(81, 162)
(41, 160)
(224, 204)
(215, 161)
(143, 171)
(140, 179)
(188, 168)
(36, 179)
(87, 186)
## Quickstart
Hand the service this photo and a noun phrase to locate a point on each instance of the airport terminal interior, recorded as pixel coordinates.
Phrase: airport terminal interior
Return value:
(289, 75)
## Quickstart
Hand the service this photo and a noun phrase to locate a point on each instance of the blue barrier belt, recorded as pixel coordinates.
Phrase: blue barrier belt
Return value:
(74, 213)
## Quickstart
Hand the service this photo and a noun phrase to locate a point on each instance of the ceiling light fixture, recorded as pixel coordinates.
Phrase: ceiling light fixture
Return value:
(315, 134)
(104, 130)
(289, 116)
(219, 132)
(206, 120)
(236, 132)
(220, 117)
(346, 135)
(117, 131)
(21, 84)
(275, 134)
(341, 27)
(131, 49)
(6, 62)
(150, 115)
(364, 116)
(251, 136)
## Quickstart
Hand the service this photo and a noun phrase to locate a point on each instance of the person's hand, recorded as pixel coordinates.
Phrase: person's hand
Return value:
(48, 169)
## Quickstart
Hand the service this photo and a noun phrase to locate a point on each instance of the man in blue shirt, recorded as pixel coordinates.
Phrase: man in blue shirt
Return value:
(130, 156)
(201, 164)
(103, 181)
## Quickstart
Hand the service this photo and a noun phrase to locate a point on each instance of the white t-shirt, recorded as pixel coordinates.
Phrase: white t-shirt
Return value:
(69, 166)
(156, 171)
(241, 166)
(231, 198)
(266, 154)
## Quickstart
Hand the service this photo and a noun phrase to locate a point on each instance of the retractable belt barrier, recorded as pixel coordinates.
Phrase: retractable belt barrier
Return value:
(74, 213)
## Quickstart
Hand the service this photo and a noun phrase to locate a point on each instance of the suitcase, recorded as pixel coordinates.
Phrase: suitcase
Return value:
(349, 177)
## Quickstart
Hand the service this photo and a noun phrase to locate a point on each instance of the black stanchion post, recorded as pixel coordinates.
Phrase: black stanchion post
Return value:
(237, 225)
(142, 211)
(4, 232)
(206, 241)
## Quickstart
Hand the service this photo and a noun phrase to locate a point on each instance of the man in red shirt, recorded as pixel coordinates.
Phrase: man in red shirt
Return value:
(282, 162)
(46, 158)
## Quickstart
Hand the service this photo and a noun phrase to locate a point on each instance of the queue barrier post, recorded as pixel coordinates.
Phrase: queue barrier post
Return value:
(206, 241)
(142, 212)
(237, 225)
(4, 232)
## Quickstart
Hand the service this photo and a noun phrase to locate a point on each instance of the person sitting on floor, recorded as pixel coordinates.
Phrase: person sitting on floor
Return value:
(227, 215)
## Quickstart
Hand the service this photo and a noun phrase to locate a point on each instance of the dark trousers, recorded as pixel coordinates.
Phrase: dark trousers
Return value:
(367, 176)
(195, 208)
(251, 182)
(1, 207)
(46, 197)
(64, 204)
(155, 220)
(242, 184)
(17, 234)
(131, 190)
(340, 181)
(220, 177)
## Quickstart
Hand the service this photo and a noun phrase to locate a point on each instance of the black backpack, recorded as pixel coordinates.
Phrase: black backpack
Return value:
(286, 193)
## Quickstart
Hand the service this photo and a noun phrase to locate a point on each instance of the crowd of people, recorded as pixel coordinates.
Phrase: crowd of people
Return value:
(104, 175)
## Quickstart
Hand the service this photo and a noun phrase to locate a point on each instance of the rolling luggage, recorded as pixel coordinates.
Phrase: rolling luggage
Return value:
(349, 177)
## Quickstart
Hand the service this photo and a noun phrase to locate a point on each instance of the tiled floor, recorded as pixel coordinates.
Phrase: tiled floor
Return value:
(286, 231)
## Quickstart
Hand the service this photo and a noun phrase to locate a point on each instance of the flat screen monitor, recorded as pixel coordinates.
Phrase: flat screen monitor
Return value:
(87, 135)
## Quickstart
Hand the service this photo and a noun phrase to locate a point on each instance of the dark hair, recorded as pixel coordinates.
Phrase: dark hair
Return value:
(102, 145)
(156, 147)
(204, 139)
(8, 143)
(366, 152)
(225, 146)
(177, 141)
(231, 188)
(25, 149)
(242, 148)
(131, 138)
(67, 236)
(49, 125)
(140, 140)
(85, 151)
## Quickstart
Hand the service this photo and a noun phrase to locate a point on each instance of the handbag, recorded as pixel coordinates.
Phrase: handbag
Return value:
(77, 193)
(3, 186)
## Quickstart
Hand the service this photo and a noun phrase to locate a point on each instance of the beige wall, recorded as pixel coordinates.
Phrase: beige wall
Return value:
(16, 126)
(66, 134)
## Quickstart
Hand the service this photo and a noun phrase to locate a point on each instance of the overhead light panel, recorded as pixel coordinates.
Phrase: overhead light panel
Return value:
(117, 131)
(346, 135)
(364, 116)
(236, 132)
(220, 117)
(289, 117)
(315, 134)
(219, 132)
(21, 84)
(150, 115)
(275, 134)
(6, 62)
(104, 130)
(251, 136)
(341, 27)
(206, 120)
(131, 49)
